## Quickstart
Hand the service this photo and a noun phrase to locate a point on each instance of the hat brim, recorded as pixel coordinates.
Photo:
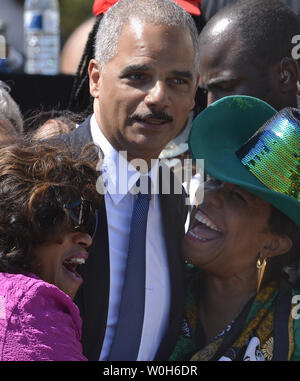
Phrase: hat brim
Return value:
(220, 130)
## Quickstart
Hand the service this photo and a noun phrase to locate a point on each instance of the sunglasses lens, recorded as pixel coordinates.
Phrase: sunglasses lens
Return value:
(84, 217)
(88, 218)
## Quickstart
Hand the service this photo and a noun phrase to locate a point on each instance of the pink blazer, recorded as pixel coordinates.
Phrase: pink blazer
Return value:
(38, 321)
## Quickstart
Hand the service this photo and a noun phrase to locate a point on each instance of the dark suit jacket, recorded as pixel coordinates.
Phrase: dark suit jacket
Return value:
(92, 297)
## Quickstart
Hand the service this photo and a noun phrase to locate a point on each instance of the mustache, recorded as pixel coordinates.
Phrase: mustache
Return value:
(161, 115)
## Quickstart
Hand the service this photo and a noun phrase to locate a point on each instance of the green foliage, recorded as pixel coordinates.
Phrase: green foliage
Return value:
(72, 14)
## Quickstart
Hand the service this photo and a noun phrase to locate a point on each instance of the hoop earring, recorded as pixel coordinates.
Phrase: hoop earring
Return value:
(261, 266)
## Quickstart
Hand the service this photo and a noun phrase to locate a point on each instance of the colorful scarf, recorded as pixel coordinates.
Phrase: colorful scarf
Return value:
(258, 323)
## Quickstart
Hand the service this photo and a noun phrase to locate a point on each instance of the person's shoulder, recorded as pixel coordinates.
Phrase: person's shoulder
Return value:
(18, 285)
(42, 297)
(35, 296)
(48, 319)
(53, 321)
(75, 139)
(81, 128)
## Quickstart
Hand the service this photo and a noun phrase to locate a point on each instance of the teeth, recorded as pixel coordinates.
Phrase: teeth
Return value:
(196, 236)
(199, 217)
(77, 261)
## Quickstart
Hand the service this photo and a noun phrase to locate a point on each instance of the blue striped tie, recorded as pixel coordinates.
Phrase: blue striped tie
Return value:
(125, 346)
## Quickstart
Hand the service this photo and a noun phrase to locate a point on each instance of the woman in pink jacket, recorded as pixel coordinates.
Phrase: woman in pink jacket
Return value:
(48, 204)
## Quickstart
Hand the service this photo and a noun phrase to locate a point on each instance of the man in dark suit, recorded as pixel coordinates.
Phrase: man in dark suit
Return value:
(143, 79)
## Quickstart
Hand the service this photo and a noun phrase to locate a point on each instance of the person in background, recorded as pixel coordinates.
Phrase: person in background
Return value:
(243, 243)
(143, 91)
(246, 49)
(8, 132)
(11, 119)
(74, 46)
(48, 206)
(211, 7)
(53, 127)
(47, 124)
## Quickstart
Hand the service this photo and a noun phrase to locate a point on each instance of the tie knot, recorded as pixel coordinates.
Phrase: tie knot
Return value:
(144, 186)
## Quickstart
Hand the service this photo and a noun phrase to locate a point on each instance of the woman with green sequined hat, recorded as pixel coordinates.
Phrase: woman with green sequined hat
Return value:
(269, 166)
(243, 242)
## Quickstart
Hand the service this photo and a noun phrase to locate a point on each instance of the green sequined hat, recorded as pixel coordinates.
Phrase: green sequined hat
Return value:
(245, 142)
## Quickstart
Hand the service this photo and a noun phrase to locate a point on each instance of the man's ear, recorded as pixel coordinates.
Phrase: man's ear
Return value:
(289, 75)
(94, 76)
(278, 244)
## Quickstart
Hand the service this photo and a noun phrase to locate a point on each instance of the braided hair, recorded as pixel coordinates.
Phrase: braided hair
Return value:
(80, 98)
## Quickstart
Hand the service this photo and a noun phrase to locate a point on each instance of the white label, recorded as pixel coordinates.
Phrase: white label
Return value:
(48, 21)
(33, 20)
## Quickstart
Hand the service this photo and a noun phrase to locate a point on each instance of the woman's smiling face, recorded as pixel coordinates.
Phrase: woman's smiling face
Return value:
(56, 262)
(228, 230)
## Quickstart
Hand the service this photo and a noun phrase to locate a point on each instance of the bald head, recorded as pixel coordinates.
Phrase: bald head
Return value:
(250, 40)
(265, 29)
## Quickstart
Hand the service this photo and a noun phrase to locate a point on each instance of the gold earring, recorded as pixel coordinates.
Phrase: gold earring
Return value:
(261, 266)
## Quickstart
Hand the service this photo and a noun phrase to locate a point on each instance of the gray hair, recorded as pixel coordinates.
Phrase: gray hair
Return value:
(160, 12)
(9, 109)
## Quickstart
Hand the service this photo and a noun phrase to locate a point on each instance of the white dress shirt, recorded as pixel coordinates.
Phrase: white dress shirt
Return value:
(119, 202)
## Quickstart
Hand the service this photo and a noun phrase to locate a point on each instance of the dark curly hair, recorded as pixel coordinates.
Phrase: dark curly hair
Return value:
(36, 179)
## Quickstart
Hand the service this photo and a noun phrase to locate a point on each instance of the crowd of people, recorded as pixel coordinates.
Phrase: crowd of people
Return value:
(102, 257)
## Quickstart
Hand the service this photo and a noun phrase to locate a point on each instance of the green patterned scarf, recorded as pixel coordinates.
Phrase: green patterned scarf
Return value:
(259, 321)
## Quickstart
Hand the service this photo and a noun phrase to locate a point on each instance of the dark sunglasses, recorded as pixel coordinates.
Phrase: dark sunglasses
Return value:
(84, 216)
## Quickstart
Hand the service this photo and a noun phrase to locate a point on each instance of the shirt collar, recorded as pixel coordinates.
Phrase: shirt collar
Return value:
(119, 175)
